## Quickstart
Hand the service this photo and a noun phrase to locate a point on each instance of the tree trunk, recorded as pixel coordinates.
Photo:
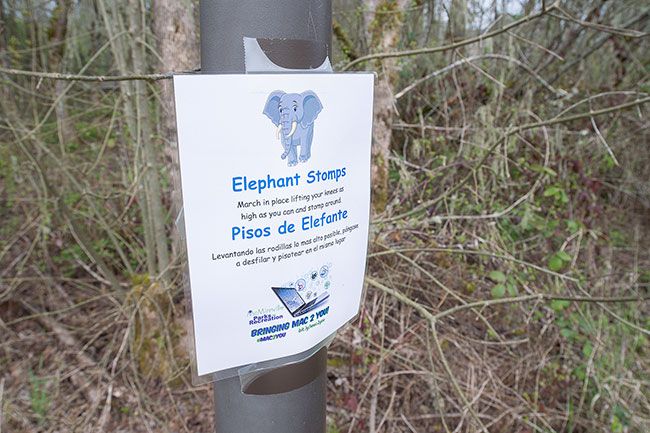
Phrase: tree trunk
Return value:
(174, 26)
(457, 20)
(114, 25)
(4, 45)
(383, 31)
(4, 61)
(58, 31)
(145, 139)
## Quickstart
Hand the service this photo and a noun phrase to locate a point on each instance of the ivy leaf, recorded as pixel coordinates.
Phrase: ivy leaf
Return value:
(512, 289)
(498, 291)
(580, 372)
(497, 276)
(550, 171)
(617, 425)
(555, 263)
(551, 191)
(559, 305)
(564, 256)
(568, 333)
(572, 226)
(564, 198)
(541, 169)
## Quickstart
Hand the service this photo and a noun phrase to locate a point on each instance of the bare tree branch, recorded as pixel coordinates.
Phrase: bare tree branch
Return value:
(629, 33)
(448, 47)
(87, 78)
(496, 144)
(473, 59)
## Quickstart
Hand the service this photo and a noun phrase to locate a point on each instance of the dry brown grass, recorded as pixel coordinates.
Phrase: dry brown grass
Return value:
(485, 184)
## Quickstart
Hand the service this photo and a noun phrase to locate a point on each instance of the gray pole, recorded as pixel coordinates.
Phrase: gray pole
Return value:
(294, 33)
(224, 23)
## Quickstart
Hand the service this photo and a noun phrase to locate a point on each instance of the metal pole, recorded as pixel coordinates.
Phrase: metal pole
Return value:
(292, 398)
(224, 24)
(289, 399)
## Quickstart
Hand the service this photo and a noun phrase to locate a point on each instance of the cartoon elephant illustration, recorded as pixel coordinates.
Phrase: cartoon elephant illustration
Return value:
(294, 115)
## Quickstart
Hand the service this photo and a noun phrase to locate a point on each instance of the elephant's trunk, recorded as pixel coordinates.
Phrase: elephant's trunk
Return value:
(288, 127)
(294, 126)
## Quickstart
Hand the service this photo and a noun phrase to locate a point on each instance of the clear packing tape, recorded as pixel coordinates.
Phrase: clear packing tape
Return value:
(279, 55)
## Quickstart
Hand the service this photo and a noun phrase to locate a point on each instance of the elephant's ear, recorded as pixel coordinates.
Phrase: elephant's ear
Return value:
(272, 107)
(311, 106)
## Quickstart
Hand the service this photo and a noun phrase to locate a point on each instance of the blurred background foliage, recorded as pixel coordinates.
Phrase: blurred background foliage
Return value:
(492, 183)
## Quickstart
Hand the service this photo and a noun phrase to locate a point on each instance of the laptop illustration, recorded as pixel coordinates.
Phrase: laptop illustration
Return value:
(294, 303)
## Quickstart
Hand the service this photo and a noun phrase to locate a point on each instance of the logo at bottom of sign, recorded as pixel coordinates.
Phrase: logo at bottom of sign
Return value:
(303, 306)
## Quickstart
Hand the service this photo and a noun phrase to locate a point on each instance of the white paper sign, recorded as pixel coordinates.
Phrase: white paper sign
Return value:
(276, 193)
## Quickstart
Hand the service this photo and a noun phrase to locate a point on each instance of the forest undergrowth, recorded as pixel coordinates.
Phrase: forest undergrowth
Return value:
(508, 273)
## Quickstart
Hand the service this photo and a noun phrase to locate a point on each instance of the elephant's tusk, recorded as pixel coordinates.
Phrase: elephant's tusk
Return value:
(277, 133)
(294, 126)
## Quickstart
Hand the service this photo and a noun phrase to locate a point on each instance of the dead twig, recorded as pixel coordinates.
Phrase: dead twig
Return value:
(478, 253)
(628, 33)
(470, 60)
(554, 121)
(80, 380)
(87, 78)
(602, 140)
(452, 46)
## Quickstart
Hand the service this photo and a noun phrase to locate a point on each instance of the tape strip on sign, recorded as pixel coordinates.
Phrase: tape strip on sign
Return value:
(285, 55)
(275, 171)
